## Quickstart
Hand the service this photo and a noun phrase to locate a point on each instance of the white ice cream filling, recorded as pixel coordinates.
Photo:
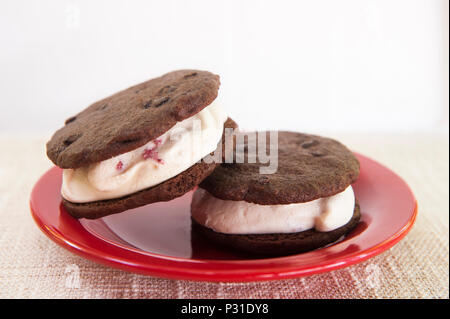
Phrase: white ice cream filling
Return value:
(240, 217)
(153, 163)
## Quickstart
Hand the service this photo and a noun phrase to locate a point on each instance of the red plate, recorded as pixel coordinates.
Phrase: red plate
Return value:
(156, 239)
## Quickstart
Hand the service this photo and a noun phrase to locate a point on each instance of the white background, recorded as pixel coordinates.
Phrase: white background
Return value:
(314, 66)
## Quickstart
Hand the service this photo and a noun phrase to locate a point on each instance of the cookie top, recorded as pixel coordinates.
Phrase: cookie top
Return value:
(131, 118)
(309, 167)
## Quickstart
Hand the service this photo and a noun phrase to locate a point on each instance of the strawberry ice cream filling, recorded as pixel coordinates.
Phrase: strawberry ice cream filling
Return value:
(181, 147)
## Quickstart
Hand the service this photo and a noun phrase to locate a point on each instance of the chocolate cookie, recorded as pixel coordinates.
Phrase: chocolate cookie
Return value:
(167, 190)
(131, 118)
(309, 167)
(278, 244)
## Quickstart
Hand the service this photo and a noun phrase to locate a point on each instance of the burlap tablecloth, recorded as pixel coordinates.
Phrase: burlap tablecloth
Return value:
(32, 266)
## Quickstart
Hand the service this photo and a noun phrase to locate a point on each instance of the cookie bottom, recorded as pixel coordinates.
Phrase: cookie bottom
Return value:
(167, 190)
(281, 244)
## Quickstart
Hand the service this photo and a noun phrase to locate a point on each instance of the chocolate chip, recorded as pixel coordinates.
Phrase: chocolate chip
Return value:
(161, 101)
(310, 143)
(317, 154)
(148, 104)
(156, 103)
(72, 138)
(70, 120)
(128, 141)
(167, 89)
(190, 75)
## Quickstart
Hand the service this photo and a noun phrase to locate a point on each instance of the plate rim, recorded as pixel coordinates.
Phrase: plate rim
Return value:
(263, 273)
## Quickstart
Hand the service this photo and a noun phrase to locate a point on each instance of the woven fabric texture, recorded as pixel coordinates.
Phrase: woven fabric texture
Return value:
(32, 266)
